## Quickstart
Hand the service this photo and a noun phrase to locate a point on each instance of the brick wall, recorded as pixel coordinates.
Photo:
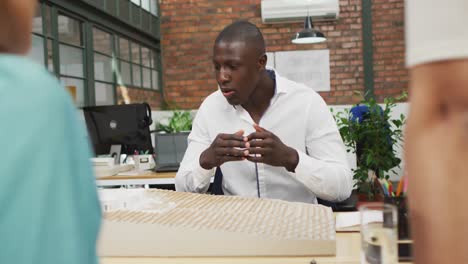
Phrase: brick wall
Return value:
(188, 30)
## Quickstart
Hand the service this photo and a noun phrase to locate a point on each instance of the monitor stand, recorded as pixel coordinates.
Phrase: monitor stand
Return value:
(115, 153)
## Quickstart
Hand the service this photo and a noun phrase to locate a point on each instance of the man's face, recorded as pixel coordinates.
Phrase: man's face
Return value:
(237, 70)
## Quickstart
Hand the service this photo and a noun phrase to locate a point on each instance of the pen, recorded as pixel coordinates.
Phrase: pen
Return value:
(400, 186)
(384, 188)
(385, 184)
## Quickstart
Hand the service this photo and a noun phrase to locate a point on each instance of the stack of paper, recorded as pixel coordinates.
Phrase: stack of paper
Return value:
(106, 167)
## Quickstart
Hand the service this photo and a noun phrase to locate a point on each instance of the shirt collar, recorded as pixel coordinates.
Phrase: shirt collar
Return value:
(280, 87)
(279, 84)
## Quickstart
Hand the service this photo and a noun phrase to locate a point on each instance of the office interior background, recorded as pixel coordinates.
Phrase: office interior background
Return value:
(149, 50)
(130, 51)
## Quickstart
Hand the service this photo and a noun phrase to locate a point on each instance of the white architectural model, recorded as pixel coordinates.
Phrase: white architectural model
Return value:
(142, 222)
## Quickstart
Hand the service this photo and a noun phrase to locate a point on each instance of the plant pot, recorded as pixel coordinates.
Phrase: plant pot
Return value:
(170, 147)
(363, 198)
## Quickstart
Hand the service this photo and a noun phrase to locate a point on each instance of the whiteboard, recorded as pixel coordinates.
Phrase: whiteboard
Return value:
(310, 67)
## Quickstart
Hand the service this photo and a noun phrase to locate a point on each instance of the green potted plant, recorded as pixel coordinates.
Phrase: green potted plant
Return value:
(181, 121)
(370, 131)
(171, 138)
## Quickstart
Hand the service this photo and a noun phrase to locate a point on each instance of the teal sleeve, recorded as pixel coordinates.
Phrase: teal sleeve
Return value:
(48, 200)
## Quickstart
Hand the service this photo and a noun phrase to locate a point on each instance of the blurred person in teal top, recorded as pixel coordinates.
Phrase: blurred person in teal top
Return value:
(49, 209)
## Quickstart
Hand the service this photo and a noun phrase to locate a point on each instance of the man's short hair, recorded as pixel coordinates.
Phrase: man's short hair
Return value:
(244, 31)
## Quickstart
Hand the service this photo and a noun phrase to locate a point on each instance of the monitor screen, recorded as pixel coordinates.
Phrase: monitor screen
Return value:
(125, 125)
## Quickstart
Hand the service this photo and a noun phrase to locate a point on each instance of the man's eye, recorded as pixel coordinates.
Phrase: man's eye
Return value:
(217, 67)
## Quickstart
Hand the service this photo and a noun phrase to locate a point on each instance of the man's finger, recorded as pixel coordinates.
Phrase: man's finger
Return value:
(232, 144)
(259, 159)
(261, 151)
(239, 133)
(258, 135)
(232, 158)
(257, 144)
(231, 152)
(234, 136)
(259, 128)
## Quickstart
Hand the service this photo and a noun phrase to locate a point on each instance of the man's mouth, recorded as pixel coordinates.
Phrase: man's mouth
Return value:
(228, 92)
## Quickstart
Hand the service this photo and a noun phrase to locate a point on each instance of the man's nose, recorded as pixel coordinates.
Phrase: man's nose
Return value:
(224, 75)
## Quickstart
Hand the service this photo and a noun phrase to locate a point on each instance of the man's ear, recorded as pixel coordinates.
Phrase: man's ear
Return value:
(262, 61)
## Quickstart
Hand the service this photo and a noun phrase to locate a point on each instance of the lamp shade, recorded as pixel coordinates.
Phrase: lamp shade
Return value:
(308, 35)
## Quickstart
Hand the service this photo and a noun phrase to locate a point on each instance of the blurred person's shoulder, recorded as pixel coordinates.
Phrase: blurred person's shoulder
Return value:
(431, 40)
(29, 83)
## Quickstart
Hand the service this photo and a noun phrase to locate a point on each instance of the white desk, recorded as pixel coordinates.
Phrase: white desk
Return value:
(348, 249)
(140, 178)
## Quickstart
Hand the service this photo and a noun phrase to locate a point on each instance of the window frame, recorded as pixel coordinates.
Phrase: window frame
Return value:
(52, 43)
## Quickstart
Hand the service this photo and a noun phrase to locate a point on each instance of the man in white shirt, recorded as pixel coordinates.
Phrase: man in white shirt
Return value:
(437, 130)
(271, 137)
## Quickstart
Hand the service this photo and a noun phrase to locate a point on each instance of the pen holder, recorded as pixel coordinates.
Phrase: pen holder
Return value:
(143, 162)
(403, 224)
(404, 241)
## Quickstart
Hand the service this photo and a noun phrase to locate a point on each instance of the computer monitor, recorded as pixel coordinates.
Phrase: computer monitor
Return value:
(123, 125)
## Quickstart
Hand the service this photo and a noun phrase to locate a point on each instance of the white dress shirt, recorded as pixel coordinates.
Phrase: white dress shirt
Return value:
(301, 119)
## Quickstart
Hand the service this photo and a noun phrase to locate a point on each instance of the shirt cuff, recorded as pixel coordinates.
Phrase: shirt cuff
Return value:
(202, 176)
(303, 166)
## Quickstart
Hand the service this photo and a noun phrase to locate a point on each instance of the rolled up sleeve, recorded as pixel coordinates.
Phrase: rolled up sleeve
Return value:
(324, 167)
(191, 177)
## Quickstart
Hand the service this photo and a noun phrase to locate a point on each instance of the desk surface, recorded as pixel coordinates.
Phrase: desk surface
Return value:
(140, 178)
(141, 175)
(347, 252)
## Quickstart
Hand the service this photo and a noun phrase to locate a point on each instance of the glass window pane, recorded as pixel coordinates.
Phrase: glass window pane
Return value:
(136, 2)
(154, 7)
(136, 53)
(50, 60)
(103, 68)
(102, 41)
(136, 15)
(146, 77)
(37, 20)
(125, 74)
(124, 10)
(155, 80)
(69, 30)
(136, 75)
(104, 93)
(111, 6)
(145, 21)
(145, 57)
(76, 88)
(145, 4)
(37, 49)
(71, 61)
(124, 49)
